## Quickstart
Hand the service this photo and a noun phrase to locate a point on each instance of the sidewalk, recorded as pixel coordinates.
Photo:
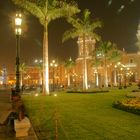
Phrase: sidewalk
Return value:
(6, 132)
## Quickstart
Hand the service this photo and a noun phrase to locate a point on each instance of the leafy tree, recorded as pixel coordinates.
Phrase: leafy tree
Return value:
(81, 28)
(46, 11)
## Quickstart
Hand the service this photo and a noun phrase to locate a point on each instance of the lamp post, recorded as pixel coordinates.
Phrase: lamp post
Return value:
(53, 64)
(18, 22)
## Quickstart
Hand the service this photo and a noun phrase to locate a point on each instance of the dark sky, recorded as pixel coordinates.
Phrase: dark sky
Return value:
(120, 18)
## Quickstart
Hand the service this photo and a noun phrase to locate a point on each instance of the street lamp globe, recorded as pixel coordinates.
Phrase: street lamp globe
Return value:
(18, 23)
(18, 19)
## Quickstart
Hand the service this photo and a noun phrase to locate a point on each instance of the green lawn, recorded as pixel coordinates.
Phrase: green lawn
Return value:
(82, 117)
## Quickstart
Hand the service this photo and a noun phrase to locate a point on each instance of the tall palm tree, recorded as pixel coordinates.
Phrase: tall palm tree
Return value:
(22, 69)
(114, 58)
(69, 65)
(82, 28)
(115, 55)
(39, 65)
(109, 52)
(95, 63)
(46, 11)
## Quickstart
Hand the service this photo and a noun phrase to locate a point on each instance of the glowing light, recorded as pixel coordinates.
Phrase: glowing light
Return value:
(18, 20)
(132, 1)
(121, 9)
(36, 94)
(55, 95)
(109, 2)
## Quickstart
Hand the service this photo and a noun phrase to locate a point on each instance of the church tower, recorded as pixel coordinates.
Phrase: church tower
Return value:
(89, 47)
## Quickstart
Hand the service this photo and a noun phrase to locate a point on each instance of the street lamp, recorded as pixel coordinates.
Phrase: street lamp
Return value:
(53, 64)
(18, 22)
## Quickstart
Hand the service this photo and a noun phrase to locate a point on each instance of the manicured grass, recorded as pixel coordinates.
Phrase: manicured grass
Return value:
(82, 117)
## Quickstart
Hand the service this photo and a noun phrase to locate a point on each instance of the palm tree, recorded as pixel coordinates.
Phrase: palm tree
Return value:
(109, 52)
(69, 64)
(83, 28)
(95, 63)
(39, 65)
(114, 58)
(22, 69)
(46, 11)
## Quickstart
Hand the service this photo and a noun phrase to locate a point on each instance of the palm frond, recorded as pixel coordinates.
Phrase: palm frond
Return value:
(70, 34)
(95, 62)
(69, 63)
(31, 8)
(22, 67)
(65, 10)
(95, 36)
(86, 16)
(76, 22)
(96, 24)
(115, 55)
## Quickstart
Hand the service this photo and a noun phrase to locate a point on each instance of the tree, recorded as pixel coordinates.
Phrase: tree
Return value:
(46, 11)
(115, 54)
(95, 63)
(22, 69)
(138, 37)
(69, 64)
(82, 28)
(109, 52)
(39, 65)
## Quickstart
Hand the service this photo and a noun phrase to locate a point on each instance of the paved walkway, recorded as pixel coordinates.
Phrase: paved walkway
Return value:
(6, 131)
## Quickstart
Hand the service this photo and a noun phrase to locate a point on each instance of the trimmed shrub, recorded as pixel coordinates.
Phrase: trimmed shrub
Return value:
(96, 91)
(130, 105)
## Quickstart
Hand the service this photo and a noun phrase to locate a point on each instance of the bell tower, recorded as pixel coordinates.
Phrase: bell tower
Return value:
(89, 47)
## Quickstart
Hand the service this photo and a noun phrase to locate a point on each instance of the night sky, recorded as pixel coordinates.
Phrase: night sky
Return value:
(120, 19)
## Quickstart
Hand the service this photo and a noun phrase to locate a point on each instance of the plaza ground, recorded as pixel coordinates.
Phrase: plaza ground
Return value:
(75, 116)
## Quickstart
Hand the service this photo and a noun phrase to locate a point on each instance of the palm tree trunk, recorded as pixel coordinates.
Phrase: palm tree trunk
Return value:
(40, 77)
(106, 75)
(97, 79)
(45, 63)
(21, 79)
(85, 86)
(68, 79)
(115, 77)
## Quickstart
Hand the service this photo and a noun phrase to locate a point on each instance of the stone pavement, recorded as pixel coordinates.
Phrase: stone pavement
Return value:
(6, 131)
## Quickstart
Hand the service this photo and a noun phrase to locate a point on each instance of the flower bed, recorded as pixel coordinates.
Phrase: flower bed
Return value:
(129, 104)
(95, 91)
